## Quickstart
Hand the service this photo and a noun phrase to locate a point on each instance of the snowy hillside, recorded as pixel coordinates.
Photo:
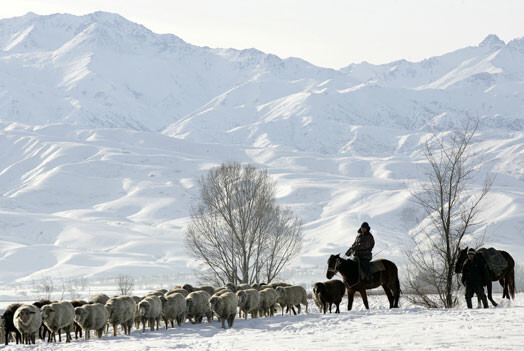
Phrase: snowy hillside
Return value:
(106, 127)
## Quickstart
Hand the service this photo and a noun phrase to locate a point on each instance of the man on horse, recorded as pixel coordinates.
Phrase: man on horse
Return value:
(362, 248)
(474, 277)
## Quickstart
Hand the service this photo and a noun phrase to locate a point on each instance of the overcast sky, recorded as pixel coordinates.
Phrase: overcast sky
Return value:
(329, 33)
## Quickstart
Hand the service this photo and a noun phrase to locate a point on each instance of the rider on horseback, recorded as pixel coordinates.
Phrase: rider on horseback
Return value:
(361, 249)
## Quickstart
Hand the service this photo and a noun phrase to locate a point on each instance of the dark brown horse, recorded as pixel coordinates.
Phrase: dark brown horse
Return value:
(506, 278)
(349, 270)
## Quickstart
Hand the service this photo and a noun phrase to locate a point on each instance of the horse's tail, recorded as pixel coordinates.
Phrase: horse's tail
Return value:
(511, 283)
(399, 291)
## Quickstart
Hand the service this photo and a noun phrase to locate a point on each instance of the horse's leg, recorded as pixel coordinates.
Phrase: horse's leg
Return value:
(351, 296)
(502, 283)
(490, 296)
(389, 295)
(364, 296)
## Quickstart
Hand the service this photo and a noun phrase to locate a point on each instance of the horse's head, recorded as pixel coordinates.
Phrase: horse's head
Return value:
(461, 257)
(333, 263)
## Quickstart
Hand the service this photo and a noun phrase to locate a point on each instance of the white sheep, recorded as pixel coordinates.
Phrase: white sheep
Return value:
(158, 293)
(174, 309)
(98, 298)
(275, 285)
(121, 311)
(27, 320)
(289, 296)
(150, 309)
(268, 301)
(248, 302)
(197, 306)
(243, 286)
(224, 305)
(59, 316)
(181, 291)
(92, 317)
(137, 299)
(209, 289)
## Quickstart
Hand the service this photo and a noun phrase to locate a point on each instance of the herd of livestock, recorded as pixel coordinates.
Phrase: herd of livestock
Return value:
(23, 323)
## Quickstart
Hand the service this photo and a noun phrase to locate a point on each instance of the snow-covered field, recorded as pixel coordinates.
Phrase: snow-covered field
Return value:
(380, 328)
(106, 128)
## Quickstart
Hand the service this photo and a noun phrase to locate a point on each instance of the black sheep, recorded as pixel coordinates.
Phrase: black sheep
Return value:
(328, 293)
(9, 326)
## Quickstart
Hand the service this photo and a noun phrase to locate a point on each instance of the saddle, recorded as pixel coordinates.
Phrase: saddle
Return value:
(494, 259)
(375, 266)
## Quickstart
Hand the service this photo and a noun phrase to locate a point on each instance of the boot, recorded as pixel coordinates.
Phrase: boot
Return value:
(468, 302)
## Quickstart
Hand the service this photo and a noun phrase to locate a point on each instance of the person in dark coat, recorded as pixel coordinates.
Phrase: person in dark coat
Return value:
(362, 248)
(474, 277)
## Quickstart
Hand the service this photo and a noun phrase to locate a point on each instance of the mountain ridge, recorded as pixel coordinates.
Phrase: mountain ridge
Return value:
(106, 128)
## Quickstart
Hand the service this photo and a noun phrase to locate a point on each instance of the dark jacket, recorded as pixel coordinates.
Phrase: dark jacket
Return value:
(475, 272)
(362, 246)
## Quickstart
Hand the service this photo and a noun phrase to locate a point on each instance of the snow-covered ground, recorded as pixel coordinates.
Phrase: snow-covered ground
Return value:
(380, 328)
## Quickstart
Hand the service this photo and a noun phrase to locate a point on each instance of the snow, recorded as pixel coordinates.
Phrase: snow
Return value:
(380, 328)
(106, 128)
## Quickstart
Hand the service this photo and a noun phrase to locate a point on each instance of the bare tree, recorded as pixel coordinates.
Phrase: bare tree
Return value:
(238, 230)
(44, 288)
(451, 211)
(126, 284)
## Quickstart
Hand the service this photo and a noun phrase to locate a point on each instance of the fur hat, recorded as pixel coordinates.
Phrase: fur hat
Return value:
(471, 251)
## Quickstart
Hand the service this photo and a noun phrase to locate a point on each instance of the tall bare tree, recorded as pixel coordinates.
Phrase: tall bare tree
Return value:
(451, 210)
(238, 230)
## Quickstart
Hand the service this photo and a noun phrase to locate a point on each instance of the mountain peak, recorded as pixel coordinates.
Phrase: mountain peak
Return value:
(492, 40)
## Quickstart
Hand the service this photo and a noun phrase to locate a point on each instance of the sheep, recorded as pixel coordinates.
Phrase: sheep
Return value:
(121, 311)
(275, 285)
(2, 332)
(8, 324)
(223, 291)
(159, 292)
(197, 306)
(209, 289)
(137, 299)
(290, 296)
(268, 300)
(243, 286)
(98, 298)
(92, 317)
(174, 309)
(150, 309)
(231, 287)
(225, 307)
(27, 319)
(177, 291)
(328, 293)
(188, 287)
(258, 286)
(57, 316)
(43, 329)
(77, 329)
(248, 302)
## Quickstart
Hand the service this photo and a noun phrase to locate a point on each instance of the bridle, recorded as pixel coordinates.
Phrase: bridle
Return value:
(334, 270)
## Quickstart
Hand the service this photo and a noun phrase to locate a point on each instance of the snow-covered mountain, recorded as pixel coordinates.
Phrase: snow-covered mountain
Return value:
(105, 128)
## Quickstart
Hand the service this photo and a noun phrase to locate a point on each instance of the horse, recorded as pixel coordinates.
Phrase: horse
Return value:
(506, 278)
(350, 272)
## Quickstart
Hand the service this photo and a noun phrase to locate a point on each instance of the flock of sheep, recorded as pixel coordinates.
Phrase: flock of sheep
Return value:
(24, 322)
